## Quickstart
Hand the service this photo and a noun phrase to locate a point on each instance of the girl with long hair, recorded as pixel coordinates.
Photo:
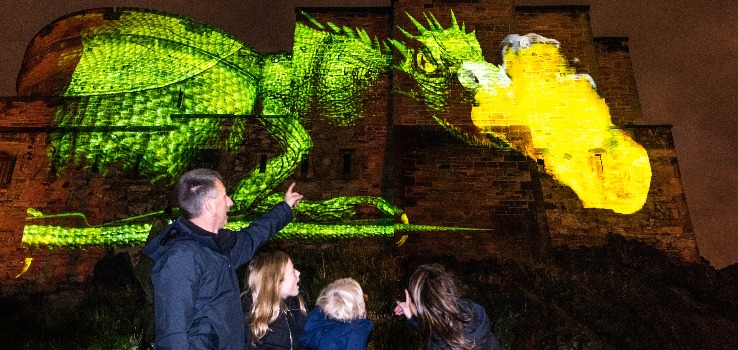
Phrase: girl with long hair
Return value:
(274, 311)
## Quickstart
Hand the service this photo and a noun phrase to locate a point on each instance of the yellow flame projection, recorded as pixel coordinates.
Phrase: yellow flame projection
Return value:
(569, 124)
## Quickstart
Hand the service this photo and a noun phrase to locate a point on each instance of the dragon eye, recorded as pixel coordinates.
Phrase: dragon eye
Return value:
(424, 63)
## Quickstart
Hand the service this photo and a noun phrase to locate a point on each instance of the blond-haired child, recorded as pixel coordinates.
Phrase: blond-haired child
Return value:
(339, 319)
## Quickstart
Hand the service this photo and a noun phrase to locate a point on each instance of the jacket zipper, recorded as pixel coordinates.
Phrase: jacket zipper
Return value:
(289, 329)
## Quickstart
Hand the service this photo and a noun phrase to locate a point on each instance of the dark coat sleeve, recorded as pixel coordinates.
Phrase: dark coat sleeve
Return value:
(255, 235)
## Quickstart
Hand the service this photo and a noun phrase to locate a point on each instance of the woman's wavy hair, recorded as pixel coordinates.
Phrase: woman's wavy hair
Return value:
(437, 297)
(266, 272)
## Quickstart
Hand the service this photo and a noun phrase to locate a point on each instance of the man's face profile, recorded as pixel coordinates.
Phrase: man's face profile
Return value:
(219, 203)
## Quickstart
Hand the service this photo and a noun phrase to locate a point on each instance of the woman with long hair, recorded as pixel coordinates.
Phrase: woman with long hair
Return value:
(274, 311)
(446, 320)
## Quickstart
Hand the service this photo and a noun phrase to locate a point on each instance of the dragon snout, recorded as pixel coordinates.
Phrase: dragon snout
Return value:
(481, 75)
(468, 78)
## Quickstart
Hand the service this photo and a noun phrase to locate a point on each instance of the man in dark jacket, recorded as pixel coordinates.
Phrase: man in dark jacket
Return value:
(196, 290)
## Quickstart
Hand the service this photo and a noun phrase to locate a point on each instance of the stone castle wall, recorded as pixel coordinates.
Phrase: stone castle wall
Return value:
(397, 151)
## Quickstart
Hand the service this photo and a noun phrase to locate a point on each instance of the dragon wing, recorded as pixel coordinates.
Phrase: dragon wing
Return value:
(128, 73)
(146, 50)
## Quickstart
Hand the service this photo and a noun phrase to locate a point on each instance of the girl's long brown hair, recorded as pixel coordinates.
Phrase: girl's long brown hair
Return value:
(437, 303)
(266, 272)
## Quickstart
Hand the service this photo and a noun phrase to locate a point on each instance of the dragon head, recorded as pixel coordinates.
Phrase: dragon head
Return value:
(447, 57)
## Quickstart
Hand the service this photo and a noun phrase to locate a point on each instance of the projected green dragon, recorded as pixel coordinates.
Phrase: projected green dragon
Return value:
(151, 70)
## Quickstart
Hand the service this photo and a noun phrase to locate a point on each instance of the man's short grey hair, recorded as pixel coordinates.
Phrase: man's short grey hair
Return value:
(193, 188)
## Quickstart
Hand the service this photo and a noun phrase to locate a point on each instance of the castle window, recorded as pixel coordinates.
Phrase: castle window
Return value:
(597, 163)
(346, 163)
(179, 98)
(7, 164)
(207, 158)
(95, 169)
(541, 164)
(596, 160)
(304, 165)
(262, 163)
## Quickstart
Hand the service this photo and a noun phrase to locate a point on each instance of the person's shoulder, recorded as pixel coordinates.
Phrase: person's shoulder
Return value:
(316, 314)
(183, 246)
(477, 312)
(472, 306)
(317, 318)
(480, 328)
(364, 323)
(186, 254)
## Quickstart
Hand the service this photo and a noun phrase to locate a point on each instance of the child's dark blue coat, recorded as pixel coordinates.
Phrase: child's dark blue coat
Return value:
(323, 333)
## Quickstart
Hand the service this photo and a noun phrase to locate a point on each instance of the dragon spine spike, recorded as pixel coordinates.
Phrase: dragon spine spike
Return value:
(364, 37)
(430, 23)
(312, 20)
(334, 27)
(380, 45)
(387, 49)
(406, 33)
(417, 24)
(471, 36)
(349, 32)
(436, 24)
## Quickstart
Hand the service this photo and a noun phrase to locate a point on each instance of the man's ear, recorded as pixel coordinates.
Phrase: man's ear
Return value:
(207, 205)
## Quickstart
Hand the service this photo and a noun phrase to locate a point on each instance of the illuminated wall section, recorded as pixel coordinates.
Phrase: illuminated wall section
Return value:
(136, 74)
(535, 88)
(151, 89)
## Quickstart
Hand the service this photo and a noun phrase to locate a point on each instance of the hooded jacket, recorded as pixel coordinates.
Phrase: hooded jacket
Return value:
(477, 330)
(323, 333)
(196, 290)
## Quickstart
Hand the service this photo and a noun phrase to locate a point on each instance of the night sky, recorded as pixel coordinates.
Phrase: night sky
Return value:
(684, 53)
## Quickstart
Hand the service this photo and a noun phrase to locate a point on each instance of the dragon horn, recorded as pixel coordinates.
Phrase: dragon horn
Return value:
(334, 27)
(417, 24)
(454, 24)
(400, 47)
(406, 33)
(349, 32)
(436, 25)
(364, 37)
(312, 20)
